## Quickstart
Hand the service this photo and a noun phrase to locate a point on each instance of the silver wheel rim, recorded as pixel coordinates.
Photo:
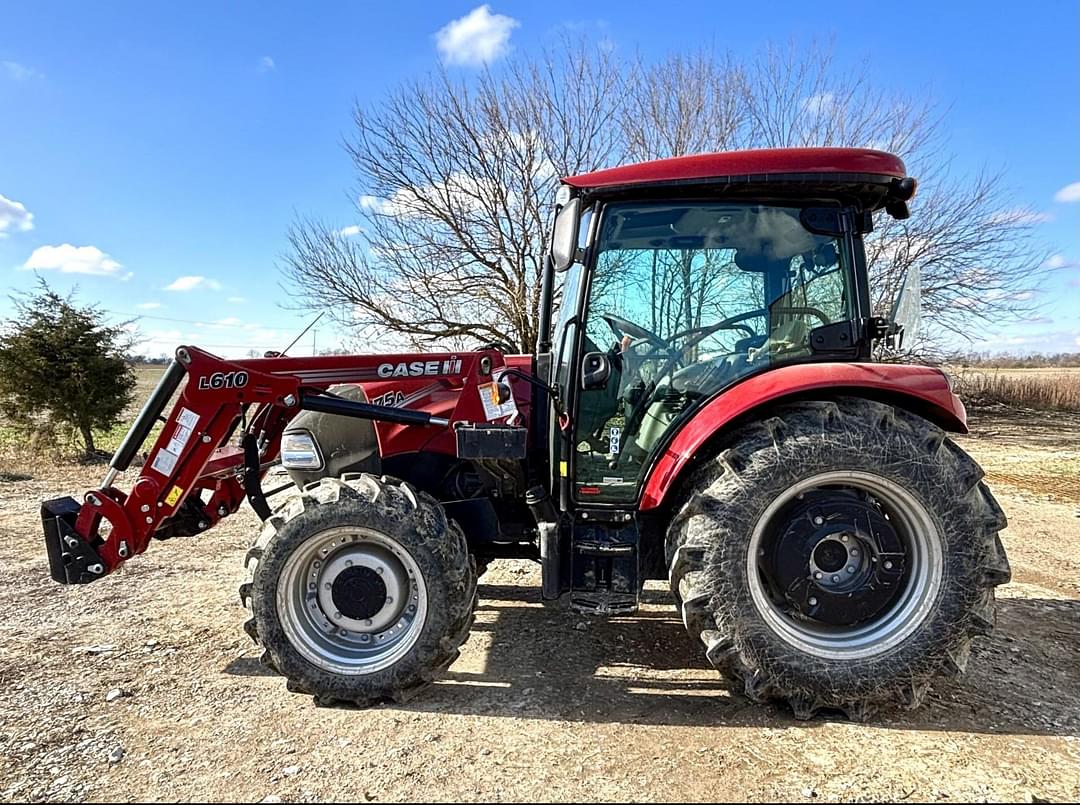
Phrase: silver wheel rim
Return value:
(883, 632)
(331, 639)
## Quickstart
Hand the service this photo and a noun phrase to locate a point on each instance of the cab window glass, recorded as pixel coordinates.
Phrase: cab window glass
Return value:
(686, 299)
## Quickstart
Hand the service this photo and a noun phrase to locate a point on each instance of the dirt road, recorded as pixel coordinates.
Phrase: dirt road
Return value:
(535, 709)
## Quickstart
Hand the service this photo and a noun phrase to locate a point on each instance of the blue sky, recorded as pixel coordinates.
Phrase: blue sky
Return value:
(146, 145)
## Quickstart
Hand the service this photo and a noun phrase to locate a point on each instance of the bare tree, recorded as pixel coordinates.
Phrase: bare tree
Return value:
(685, 104)
(454, 181)
(977, 254)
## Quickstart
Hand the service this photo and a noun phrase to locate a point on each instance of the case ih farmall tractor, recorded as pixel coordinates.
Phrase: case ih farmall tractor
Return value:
(703, 410)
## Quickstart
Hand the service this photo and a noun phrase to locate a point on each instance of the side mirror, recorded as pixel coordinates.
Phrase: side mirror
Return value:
(595, 370)
(564, 237)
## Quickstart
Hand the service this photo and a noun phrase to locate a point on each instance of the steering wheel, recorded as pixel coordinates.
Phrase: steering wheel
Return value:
(621, 327)
(802, 311)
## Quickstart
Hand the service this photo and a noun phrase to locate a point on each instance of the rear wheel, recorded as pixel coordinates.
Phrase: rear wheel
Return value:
(360, 590)
(838, 555)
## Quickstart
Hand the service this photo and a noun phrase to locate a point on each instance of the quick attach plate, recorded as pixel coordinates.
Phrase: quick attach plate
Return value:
(72, 560)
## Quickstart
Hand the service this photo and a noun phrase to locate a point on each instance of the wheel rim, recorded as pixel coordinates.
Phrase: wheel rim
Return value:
(887, 593)
(351, 600)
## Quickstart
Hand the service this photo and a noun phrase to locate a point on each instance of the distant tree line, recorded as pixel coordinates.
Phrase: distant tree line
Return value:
(1007, 360)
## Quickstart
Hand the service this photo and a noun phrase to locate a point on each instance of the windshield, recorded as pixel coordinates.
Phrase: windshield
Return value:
(687, 298)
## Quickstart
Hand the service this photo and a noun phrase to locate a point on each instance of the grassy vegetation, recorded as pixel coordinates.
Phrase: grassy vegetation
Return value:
(1046, 389)
(15, 443)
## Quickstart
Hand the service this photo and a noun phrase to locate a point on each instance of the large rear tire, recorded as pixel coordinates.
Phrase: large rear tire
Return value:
(360, 590)
(838, 555)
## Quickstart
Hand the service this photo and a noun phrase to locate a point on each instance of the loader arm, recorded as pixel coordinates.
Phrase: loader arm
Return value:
(222, 434)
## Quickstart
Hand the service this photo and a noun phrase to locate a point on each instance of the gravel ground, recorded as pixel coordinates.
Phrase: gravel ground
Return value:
(144, 687)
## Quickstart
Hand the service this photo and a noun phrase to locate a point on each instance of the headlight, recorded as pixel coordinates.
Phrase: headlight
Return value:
(300, 452)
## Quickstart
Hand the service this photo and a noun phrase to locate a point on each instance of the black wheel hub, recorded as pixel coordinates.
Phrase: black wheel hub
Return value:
(359, 592)
(835, 558)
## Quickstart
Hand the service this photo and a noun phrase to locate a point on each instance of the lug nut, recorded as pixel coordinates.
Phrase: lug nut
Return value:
(144, 508)
(888, 565)
(843, 538)
(819, 520)
(835, 579)
(813, 602)
(817, 575)
(851, 570)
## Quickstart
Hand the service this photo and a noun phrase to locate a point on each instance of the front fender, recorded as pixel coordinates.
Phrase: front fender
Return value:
(922, 390)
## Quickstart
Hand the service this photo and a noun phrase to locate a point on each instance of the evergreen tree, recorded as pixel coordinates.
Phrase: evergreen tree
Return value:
(63, 366)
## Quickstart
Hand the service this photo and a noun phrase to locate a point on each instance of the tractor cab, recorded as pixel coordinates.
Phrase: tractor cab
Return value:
(680, 278)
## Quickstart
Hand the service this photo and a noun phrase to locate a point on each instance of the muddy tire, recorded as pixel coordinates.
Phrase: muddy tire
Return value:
(837, 555)
(359, 590)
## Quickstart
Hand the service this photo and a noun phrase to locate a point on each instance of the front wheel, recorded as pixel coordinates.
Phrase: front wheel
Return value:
(360, 590)
(838, 555)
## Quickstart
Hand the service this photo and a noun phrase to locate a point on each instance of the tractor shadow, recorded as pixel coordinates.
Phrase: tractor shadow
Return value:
(525, 659)
(644, 669)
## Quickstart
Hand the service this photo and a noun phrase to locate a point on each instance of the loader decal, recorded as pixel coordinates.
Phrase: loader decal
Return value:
(224, 380)
(450, 366)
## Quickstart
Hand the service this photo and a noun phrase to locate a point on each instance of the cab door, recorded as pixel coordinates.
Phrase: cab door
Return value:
(684, 300)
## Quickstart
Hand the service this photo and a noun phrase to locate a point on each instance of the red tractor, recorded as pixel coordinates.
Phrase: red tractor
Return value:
(703, 410)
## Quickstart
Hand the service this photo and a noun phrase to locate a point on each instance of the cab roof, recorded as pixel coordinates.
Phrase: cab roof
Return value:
(821, 165)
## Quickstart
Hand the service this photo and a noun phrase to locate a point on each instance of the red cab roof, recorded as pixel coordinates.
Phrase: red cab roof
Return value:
(736, 164)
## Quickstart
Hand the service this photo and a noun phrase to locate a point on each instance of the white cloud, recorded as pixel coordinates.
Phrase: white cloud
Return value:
(354, 230)
(460, 190)
(819, 104)
(154, 342)
(266, 64)
(190, 283)
(1019, 217)
(478, 38)
(14, 216)
(229, 321)
(68, 259)
(1069, 193)
(19, 72)
(1056, 261)
(236, 300)
(149, 306)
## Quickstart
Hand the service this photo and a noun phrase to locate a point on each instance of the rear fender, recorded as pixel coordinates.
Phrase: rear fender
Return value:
(920, 389)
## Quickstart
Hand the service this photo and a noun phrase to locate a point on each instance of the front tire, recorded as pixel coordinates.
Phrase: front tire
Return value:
(838, 555)
(360, 590)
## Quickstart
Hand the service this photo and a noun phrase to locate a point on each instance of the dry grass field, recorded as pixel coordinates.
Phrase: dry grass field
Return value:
(1046, 389)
